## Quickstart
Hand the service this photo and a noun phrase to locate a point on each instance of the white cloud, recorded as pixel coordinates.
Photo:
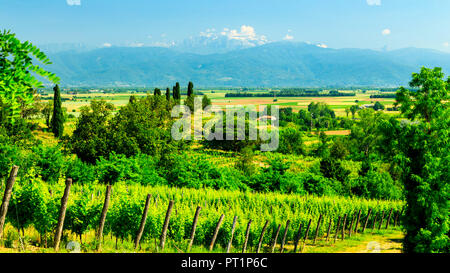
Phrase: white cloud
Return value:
(246, 35)
(322, 45)
(162, 44)
(73, 2)
(107, 45)
(288, 37)
(386, 32)
(136, 44)
(446, 44)
(374, 2)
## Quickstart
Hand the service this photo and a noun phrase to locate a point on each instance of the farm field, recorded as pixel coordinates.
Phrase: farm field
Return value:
(338, 104)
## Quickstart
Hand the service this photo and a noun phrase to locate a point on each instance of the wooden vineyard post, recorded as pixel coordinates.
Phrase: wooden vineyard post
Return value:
(284, 236)
(275, 239)
(103, 217)
(367, 220)
(194, 226)
(143, 220)
(351, 226)
(247, 233)
(389, 219)
(381, 221)
(357, 221)
(262, 236)
(62, 213)
(343, 226)
(306, 234)
(397, 215)
(329, 230)
(337, 229)
(216, 231)
(7, 197)
(317, 229)
(232, 234)
(396, 218)
(374, 221)
(297, 239)
(162, 240)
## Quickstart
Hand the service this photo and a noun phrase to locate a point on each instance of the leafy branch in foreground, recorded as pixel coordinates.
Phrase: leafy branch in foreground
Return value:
(17, 80)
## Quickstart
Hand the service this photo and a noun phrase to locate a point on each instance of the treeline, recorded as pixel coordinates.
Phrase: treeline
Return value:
(292, 93)
(383, 96)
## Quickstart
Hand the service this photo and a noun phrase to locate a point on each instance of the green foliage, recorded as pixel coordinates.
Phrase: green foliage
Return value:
(378, 106)
(90, 139)
(424, 158)
(17, 80)
(176, 92)
(49, 162)
(331, 168)
(377, 185)
(168, 93)
(291, 142)
(57, 122)
(190, 90)
(206, 101)
(80, 172)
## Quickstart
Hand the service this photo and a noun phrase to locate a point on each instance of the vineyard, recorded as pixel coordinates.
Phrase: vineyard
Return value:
(255, 222)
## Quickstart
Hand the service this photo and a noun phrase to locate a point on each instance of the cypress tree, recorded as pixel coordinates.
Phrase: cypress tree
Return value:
(176, 91)
(190, 90)
(58, 116)
(168, 93)
(157, 92)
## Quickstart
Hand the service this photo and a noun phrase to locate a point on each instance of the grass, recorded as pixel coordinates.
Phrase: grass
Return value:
(386, 241)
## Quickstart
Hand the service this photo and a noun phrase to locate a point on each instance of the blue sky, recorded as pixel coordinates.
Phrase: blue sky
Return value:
(373, 24)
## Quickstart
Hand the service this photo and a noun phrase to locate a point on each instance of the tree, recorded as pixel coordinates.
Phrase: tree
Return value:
(378, 106)
(332, 168)
(157, 92)
(176, 92)
(168, 93)
(425, 160)
(366, 133)
(291, 142)
(47, 111)
(57, 123)
(190, 90)
(347, 111)
(205, 101)
(90, 140)
(354, 109)
(17, 80)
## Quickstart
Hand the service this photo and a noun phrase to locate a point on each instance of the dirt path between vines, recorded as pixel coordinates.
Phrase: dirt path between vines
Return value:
(386, 242)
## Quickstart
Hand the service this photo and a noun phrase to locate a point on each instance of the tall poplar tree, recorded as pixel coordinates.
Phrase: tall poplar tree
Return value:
(190, 90)
(168, 93)
(58, 116)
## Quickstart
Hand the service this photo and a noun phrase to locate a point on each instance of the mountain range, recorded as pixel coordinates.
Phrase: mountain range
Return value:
(276, 64)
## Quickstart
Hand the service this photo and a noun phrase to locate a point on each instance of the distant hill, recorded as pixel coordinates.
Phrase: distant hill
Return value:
(282, 64)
